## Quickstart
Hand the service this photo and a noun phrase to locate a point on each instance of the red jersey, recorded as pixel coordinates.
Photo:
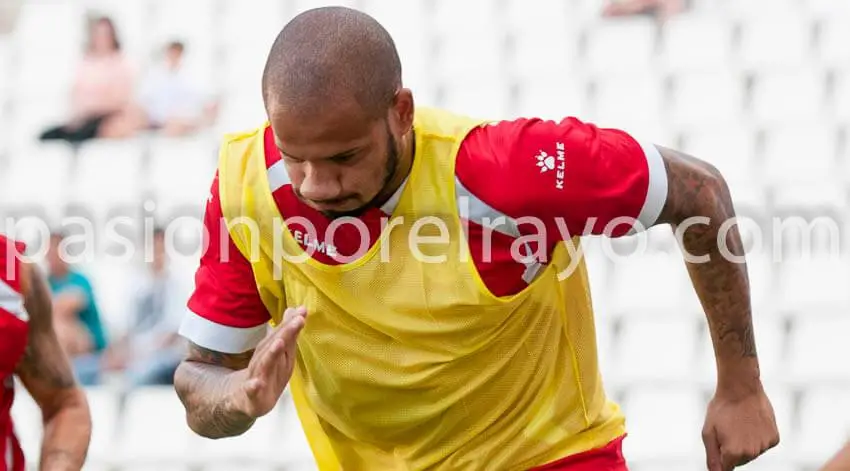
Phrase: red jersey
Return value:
(522, 186)
(13, 340)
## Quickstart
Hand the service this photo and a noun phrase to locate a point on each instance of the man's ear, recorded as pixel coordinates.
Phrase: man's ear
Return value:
(402, 110)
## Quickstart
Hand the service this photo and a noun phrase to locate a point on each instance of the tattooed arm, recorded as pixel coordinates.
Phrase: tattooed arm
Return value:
(740, 423)
(225, 393)
(46, 373)
(697, 190)
(206, 382)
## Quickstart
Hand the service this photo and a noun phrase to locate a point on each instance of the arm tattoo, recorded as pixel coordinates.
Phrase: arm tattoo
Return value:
(202, 383)
(43, 363)
(697, 189)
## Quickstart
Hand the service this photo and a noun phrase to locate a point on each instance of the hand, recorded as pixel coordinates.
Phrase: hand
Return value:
(271, 367)
(738, 429)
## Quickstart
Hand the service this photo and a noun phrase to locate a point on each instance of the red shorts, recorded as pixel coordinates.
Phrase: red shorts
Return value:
(608, 458)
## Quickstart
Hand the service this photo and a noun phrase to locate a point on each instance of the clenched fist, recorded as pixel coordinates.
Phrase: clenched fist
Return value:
(738, 429)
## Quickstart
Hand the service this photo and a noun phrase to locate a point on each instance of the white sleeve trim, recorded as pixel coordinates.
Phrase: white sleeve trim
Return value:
(656, 193)
(221, 338)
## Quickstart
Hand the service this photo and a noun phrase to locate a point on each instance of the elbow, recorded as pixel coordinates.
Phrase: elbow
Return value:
(69, 405)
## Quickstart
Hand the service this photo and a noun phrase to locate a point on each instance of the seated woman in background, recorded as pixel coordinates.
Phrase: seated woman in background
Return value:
(101, 101)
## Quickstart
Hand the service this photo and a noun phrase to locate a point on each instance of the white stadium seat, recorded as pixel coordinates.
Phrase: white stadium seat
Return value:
(154, 430)
(663, 423)
(104, 406)
(817, 348)
(482, 100)
(816, 283)
(620, 46)
(108, 174)
(28, 421)
(731, 148)
(647, 283)
(632, 102)
(707, 98)
(662, 349)
(800, 154)
(834, 37)
(796, 96)
(841, 99)
(775, 40)
(694, 42)
(824, 424)
(39, 177)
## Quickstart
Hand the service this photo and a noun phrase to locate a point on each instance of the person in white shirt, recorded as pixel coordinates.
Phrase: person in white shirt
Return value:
(173, 102)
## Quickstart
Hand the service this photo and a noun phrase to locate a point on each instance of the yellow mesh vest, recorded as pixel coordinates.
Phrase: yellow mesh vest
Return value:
(410, 365)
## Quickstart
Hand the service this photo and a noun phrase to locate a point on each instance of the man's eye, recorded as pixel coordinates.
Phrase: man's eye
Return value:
(341, 159)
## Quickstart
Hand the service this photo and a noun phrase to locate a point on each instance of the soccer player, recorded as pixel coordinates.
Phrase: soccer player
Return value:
(421, 271)
(30, 350)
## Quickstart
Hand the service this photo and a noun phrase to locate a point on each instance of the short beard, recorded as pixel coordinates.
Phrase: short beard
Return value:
(390, 170)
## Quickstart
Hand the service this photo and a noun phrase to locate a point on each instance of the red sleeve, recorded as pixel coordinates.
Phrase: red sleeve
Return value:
(227, 313)
(570, 175)
(10, 262)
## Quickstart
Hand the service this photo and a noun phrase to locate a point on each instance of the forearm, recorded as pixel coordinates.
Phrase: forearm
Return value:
(207, 392)
(719, 275)
(66, 434)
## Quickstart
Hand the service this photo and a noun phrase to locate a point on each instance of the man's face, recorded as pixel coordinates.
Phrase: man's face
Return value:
(338, 162)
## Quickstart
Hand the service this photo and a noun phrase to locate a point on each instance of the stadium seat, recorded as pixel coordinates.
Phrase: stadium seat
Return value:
(157, 439)
(730, 147)
(476, 17)
(696, 42)
(816, 346)
(775, 40)
(482, 100)
(662, 349)
(813, 285)
(552, 99)
(37, 180)
(620, 46)
(28, 421)
(706, 99)
(631, 102)
(104, 406)
(408, 24)
(38, 66)
(256, 447)
(774, 102)
(833, 40)
(647, 283)
(663, 423)
(841, 99)
(194, 158)
(121, 161)
(824, 424)
(800, 154)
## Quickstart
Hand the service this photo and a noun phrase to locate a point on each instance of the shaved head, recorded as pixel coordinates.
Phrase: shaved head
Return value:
(332, 55)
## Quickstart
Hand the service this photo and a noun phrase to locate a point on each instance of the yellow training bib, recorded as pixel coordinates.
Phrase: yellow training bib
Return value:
(413, 364)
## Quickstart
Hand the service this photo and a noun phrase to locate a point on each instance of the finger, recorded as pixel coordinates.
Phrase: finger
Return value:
(290, 329)
(291, 313)
(268, 357)
(732, 459)
(712, 450)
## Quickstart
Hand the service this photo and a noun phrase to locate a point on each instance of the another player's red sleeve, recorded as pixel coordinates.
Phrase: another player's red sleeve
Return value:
(226, 311)
(11, 298)
(570, 175)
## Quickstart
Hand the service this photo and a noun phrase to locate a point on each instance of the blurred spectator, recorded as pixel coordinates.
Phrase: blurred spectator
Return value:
(661, 8)
(9, 10)
(151, 350)
(101, 101)
(77, 319)
(171, 100)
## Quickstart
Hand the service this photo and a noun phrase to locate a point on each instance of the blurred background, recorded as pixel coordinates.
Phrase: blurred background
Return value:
(110, 114)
